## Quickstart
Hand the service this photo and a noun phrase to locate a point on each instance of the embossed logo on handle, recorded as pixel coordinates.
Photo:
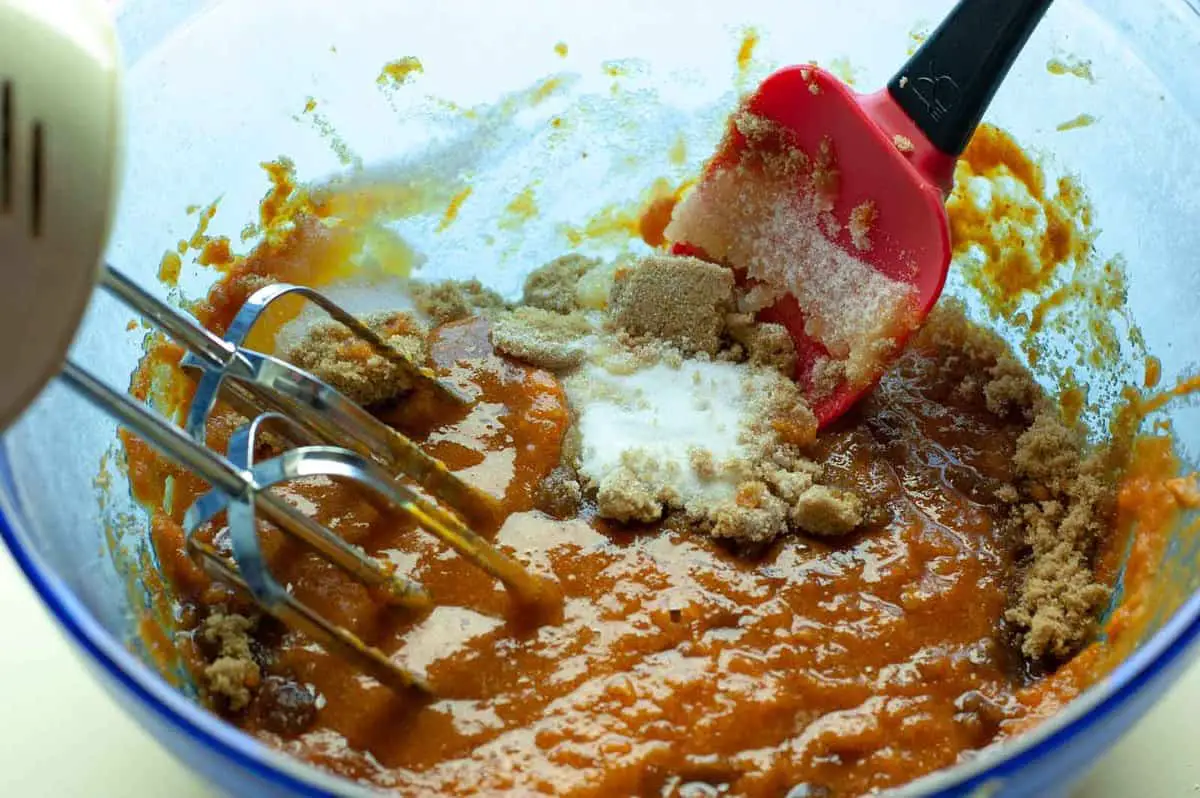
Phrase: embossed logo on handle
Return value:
(939, 93)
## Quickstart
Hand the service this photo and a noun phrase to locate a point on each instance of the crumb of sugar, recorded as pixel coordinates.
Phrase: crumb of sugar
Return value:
(827, 512)
(559, 495)
(232, 673)
(555, 286)
(543, 338)
(765, 344)
(827, 375)
(453, 300)
(595, 286)
(676, 299)
(750, 216)
(755, 515)
(752, 299)
(336, 356)
(702, 463)
(903, 143)
(862, 219)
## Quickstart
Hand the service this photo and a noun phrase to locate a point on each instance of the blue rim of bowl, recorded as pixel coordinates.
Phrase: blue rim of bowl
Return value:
(138, 679)
(1168, 647)
(993, 765)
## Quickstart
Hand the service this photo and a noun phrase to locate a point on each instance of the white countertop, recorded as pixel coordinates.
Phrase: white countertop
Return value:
(51, 705)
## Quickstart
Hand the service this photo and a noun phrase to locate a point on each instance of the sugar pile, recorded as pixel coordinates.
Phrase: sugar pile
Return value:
(751, 216)
(641, 433)
(679, 404)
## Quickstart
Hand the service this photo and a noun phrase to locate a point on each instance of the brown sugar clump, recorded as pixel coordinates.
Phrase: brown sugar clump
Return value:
(827, 512)
(559, 495)
(1006, 386)
(542, 338)
(233, 674)
(767, 345)
(862, 219)
(553, 286)
(624, 496)
(1063, 515)
(1011, 388)
(1048, 452)
(1060, 500)
(754, 516)
(335, 355)
(679, 300)
(453, 300)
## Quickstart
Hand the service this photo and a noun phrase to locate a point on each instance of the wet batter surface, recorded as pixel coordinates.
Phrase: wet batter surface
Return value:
(681, 665)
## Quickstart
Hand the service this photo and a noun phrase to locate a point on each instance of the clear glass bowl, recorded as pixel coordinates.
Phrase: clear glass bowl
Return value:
(215, 88)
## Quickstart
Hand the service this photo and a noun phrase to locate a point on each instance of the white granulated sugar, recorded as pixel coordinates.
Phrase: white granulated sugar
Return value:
(653, 419)
(755, 219)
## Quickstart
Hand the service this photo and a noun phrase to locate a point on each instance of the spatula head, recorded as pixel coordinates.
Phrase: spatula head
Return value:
(879, 156)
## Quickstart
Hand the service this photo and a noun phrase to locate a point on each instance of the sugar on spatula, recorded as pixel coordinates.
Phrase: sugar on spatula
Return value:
(829, 204)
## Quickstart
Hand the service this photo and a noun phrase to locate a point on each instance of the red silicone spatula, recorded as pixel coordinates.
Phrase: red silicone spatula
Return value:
(896, 148)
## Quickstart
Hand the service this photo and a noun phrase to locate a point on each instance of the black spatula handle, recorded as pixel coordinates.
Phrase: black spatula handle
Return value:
(948, 83)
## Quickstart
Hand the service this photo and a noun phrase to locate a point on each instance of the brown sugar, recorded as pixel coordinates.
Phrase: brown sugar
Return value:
(1010, 388)
(754, 516)
(679, 300)
(767, 345)
(335, 355)
(827, 512)
(862, 219)
(232, 675)
(553, 286)
(1006, 385)
(559, 495)
(542, 338)
(627, 496)
(1060, 499)
(827, 375)
(1064, 513)
(454, 300)
(762, 489)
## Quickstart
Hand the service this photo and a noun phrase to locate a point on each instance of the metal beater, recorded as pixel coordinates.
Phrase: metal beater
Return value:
(59, 156)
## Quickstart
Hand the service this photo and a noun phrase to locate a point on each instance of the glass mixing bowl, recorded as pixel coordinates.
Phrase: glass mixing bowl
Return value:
(215, 88)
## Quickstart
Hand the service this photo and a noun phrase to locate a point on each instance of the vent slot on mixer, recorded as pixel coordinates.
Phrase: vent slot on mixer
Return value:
(6, 126)
(37, 166)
